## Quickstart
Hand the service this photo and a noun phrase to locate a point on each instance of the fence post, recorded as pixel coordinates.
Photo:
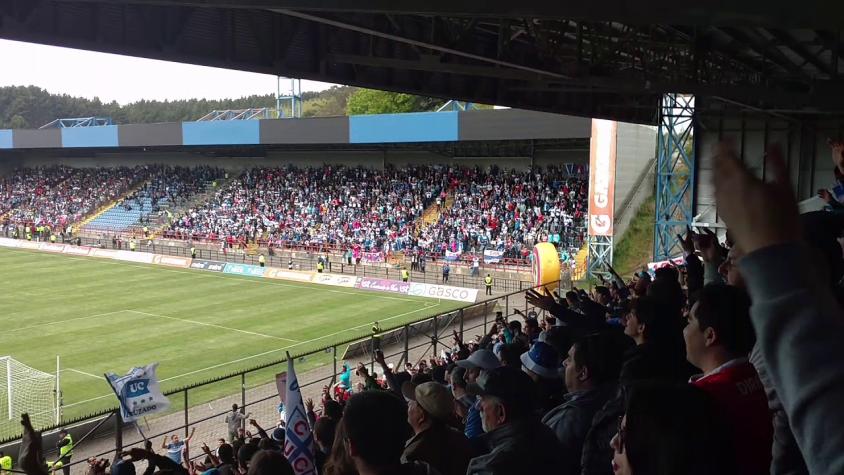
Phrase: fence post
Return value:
(372, 353)
(507, 305)
(461, 323)
(334, 375)
(118, 433)
(243, 391)
(405, 354)
(187, 415)
(434, 337)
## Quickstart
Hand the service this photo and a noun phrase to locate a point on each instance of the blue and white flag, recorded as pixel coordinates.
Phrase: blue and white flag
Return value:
(138, 392)
(493, 256)
(299, 439)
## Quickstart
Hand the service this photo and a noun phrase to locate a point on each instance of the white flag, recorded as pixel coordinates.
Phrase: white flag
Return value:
(138, 392)
(298, 440)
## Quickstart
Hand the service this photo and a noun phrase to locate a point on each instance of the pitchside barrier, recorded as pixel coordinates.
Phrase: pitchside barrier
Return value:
(203, 406)
(308, 263)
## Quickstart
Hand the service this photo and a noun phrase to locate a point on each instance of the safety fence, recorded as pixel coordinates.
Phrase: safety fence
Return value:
(199, 410)
(432, 275)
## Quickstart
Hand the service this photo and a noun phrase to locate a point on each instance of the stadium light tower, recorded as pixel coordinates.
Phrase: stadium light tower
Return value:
(289, 99)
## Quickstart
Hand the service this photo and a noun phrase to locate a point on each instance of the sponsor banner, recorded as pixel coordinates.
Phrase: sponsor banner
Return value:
(6, 242)
(335, 279)
(172, 261)
(374, 257)
(107, 253)
(288, 275)
(383, 285)
(213, 266)
(28, 245)
(134, 256)
(452, 256)
(77, 250)
(492, 257)
(447, 292)
(244, 269)
(51, 247)
(602, 151)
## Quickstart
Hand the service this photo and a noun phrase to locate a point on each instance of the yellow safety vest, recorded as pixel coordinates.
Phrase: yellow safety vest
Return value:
(53, 238)
(320, 266)
(404, 274)
(66, 449)
(132, 245)
(192, 251)
(6, 462)
(146, 230)
(262, 259)
(488, 281)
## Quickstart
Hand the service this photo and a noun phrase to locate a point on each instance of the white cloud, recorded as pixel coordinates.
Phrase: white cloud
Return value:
(126, 79)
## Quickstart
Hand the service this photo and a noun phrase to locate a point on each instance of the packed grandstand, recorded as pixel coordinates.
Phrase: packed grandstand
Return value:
(469, 210)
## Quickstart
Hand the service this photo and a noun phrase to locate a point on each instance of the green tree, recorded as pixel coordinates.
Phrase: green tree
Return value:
(371, 101)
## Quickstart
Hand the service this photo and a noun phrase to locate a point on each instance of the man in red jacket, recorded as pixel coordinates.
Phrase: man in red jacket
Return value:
(719, 336)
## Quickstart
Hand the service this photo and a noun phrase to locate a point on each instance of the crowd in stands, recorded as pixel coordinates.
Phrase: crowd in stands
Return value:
(726, 364)
(59, 196)
(380, 211)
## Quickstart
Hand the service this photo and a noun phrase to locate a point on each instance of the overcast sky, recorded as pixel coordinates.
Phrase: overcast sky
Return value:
(126, 79)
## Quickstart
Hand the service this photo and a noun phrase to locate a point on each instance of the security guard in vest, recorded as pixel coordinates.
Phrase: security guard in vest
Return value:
(65, 447)
(5, 463)
(290, 264)
(132, 245)
(320, 266)
(405, 275)
(146, 231)
(488, 283)
(262, 261)
(53, 238)
(193, 252)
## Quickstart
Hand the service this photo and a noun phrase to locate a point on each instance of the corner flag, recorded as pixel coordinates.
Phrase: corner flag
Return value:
(138, 392)
(298, 440)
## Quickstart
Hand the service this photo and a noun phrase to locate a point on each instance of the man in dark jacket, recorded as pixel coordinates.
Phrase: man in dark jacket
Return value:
(430, 406)
(517, 441)
(591, 369)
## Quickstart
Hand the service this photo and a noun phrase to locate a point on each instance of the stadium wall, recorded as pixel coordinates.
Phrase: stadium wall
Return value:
(634, 171)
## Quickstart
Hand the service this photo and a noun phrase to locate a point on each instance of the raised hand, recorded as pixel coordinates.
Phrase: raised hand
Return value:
(709, 247)
(758, 214)
(309, 405)
(688, 243)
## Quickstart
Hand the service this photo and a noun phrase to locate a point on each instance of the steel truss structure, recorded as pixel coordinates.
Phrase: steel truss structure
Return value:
(600, 256)
(675, 173)
(78, 122)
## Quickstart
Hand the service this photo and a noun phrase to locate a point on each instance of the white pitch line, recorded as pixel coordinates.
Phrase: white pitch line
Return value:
(82, 373)
(257, 355)
(57, 322)
(221, 327)
(199, 273)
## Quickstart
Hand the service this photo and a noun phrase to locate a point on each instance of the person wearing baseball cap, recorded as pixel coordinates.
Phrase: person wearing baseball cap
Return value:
(542, 363)
(518, 441)
(430, 409)
(477, 361)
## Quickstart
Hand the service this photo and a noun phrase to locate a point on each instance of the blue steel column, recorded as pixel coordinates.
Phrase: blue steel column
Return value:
(675, 173)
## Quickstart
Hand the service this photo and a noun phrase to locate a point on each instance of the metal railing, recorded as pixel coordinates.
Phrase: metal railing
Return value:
(203, 405)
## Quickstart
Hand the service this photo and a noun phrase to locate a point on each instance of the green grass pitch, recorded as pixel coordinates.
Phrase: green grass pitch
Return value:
(101, 315)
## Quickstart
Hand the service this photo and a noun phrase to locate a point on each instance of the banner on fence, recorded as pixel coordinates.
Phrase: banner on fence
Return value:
(77, 250)
(372, 257)
(493, 257)
(244, 269)
(107, 253)
(447, 292)
(677, 261)
(288, 275)
(383, 285)
(172, 261)
(213, 266)
(452, 256)
(51, 247)
(134, 256)
(6, 242)
(138, 392)
(335, 279)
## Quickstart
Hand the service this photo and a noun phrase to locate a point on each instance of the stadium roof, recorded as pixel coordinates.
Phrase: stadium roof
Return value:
(601, 58)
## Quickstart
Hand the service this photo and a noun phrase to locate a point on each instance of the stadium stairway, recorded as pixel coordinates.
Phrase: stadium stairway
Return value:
(580, 263)
(160, 224)
(89, 222)
(432, 214)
